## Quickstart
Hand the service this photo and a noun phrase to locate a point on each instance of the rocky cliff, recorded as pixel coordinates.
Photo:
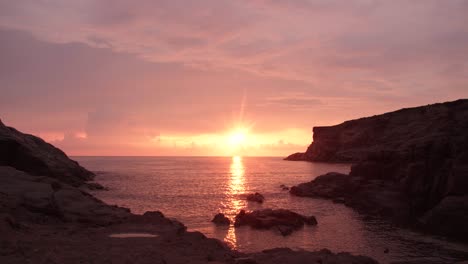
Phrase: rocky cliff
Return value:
(410, 164)
(33, 155)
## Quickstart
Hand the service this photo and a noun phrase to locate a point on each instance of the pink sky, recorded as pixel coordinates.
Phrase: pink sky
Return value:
(177, 77)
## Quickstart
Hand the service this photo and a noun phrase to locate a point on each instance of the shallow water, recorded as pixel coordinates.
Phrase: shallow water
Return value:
(194, 189)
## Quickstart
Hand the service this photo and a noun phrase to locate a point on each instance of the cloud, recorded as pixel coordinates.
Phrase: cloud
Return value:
(135, 69)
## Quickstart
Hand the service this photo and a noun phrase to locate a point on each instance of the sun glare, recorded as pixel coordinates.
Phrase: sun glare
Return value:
(238, 137)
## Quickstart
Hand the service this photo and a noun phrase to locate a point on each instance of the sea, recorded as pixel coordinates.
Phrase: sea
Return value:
(194, 189)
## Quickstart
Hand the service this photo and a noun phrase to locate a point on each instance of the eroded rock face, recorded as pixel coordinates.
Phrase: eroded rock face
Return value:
(406, 162)
(283, 220)
(33, 155)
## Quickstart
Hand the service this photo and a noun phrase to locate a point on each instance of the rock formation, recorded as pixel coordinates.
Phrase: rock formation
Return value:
(255, 197)
(221, 219)
(284, 221)
(410, 164)
(33, 155)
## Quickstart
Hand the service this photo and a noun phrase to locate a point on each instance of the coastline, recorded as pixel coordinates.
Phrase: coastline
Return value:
(48, 216)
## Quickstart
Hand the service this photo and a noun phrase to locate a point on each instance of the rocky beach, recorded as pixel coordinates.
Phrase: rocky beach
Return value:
(48, 216)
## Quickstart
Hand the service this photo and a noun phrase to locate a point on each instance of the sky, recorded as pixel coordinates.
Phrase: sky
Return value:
(217, 77)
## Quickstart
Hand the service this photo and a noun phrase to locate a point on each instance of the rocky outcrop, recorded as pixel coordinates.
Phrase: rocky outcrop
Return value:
(255, 197)
(221, 219)
(406, 163)
(33, 155)
(284, 221)
(408, 131)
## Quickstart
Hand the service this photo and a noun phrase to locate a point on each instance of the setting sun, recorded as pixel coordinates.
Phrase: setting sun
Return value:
(238, 137)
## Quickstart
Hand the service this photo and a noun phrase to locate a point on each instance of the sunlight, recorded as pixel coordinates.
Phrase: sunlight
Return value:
(236, 187)
(236, 184)
(238, 137)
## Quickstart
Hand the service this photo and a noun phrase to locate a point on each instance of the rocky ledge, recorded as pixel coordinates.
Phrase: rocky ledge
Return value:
(46, 217)
(410, 165)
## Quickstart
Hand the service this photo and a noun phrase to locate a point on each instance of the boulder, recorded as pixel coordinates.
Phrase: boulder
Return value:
(281, 219)
(255, 197)
(221, 219)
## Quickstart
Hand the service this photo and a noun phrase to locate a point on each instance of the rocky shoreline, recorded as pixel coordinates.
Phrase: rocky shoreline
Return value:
(48, 216)
(410, 166)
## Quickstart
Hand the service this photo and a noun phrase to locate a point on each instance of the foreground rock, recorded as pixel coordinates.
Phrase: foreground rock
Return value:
(410, 165)
(33, 155)
(46, 200)
(255, 197)
(284, 221)
(286, 255)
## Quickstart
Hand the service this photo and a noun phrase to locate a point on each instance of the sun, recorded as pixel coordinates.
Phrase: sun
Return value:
(237, 137)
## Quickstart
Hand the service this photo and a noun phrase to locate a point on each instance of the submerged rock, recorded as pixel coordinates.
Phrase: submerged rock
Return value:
(220, 219)
(255, 197)
(284, 220)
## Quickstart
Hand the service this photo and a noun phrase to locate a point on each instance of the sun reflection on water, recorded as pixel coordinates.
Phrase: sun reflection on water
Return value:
(236, 188)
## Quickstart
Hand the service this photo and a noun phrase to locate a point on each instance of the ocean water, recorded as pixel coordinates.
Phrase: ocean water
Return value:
(194, 189)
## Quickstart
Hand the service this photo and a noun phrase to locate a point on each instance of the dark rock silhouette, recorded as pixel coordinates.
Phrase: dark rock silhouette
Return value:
(410, 165)
(33, 155)
(284, 220)
(255, 197)
(221, 219)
